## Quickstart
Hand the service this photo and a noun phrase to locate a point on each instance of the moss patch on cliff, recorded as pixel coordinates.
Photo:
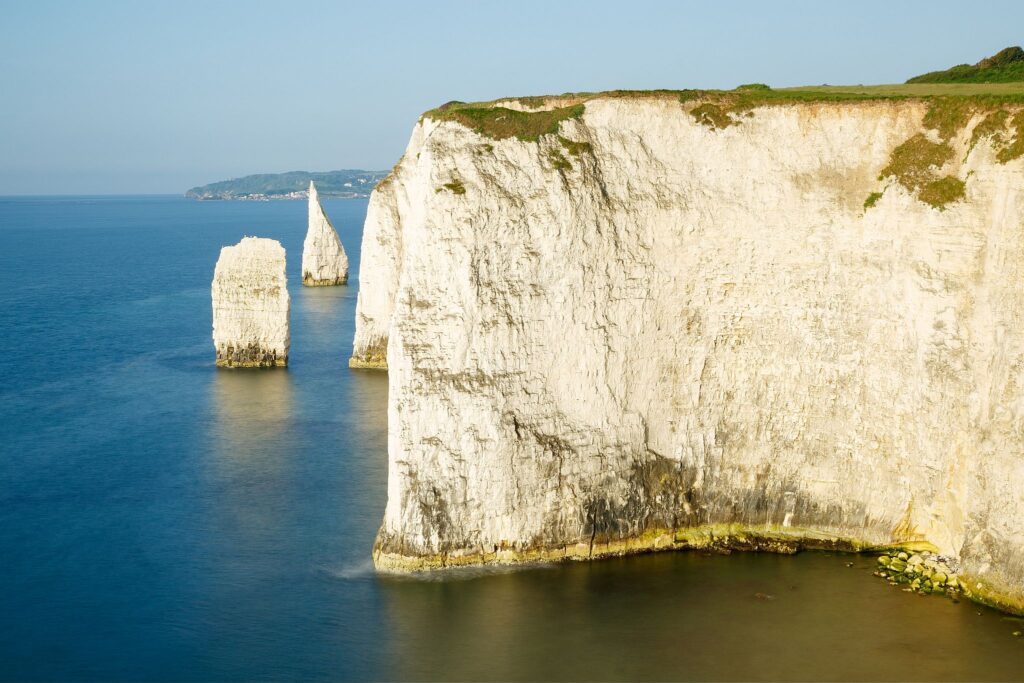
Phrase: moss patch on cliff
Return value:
(1013, 150)
(712, 115)
(455, 187)
(1008, 140)
(992, 125)
(575, 148)
(949, 115)
(942, 192)
(872, 200)
(558, 161)
(915, 161)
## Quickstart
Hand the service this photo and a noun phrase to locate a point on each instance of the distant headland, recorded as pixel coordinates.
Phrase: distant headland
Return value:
(345, 184)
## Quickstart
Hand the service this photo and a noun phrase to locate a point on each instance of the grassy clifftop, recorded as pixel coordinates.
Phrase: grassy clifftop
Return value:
(530, 118)
(996, 110)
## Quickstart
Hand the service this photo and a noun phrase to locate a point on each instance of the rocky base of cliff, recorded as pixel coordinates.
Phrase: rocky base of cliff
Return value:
(388, 554)
(373, 356)
(913, 565)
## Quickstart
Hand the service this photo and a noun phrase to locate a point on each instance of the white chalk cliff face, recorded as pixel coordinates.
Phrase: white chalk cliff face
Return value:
(693, 336)
(251, 305)
(324, 261)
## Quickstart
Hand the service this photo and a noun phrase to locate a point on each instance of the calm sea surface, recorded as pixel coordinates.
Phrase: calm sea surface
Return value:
(161, 519)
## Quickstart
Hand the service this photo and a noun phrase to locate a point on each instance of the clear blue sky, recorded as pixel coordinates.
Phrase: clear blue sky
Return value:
(125, 97)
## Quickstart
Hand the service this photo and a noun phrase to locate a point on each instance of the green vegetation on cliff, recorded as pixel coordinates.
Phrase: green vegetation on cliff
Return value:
(917, 164)
(715, 108)
(500, 122)
(1006, 66)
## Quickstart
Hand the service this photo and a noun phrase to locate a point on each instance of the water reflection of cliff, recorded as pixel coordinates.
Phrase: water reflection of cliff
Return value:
(324, 319)
(252, 409)
(367, 415)
(252, 462)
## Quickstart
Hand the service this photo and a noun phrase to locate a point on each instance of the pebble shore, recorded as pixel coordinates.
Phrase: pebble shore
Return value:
(922, 572)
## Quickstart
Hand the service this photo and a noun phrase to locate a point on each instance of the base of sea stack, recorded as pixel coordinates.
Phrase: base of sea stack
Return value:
(368, 362)
(718, 537)
(250, 357)
(310, 282)
(227, 363)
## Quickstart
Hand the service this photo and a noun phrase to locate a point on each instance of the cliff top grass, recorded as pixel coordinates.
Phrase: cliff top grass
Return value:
(498, 120)
(993, 91)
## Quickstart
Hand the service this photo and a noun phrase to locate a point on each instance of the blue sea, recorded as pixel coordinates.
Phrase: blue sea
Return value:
(165, 520)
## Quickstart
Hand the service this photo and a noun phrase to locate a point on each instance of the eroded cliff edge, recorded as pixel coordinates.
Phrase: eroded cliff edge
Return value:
(649, 326)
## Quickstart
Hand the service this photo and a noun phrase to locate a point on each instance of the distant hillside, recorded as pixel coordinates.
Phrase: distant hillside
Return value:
(347, 183)
(1006, 66)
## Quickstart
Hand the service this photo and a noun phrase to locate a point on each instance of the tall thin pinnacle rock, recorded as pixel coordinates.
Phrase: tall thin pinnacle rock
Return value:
(324, 261)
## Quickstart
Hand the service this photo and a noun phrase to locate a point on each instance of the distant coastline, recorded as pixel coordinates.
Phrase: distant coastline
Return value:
(341, 184)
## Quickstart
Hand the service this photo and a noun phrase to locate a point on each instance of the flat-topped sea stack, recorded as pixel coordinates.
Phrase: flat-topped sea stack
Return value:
(754, 319)
(324, 262)
(251, 305)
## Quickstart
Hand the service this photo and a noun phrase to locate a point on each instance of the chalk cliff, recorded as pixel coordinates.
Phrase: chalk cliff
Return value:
(324, 261)
(251, 305)
(658, 323)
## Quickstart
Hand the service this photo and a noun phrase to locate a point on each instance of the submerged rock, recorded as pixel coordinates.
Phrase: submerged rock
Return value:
(251, 305)
(324, 261)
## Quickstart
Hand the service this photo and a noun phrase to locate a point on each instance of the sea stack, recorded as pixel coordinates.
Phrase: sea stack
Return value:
(251, 305)
(324, 261)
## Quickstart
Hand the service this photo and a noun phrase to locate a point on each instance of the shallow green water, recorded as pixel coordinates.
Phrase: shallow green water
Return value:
(694, 616)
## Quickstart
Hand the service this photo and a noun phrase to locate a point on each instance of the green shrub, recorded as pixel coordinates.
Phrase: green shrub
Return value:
(1006, 66)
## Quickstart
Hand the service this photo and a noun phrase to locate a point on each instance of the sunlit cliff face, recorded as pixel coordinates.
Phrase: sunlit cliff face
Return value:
(647, 331)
